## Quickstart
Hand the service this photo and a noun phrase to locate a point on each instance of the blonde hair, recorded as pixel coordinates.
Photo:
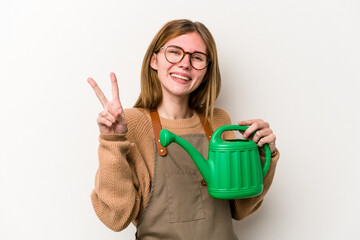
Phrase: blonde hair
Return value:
(203, 98)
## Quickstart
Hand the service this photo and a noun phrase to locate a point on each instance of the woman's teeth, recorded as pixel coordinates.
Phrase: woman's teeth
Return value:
(181, 77)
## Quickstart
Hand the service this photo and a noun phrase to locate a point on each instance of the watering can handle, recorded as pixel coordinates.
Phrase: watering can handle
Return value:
(216, 137)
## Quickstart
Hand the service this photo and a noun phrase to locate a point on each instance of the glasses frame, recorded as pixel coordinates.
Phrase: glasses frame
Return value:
(208, 59)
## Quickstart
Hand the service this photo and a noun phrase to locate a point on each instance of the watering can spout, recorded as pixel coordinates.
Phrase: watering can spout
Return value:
(167, 137)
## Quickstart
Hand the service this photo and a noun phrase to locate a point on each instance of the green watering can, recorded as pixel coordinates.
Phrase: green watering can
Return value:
(233, 170)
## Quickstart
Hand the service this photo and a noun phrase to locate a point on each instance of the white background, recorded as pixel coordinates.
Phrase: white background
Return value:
(293, 63)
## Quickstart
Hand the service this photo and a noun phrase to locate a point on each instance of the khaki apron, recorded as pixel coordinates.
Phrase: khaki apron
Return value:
(179, 205)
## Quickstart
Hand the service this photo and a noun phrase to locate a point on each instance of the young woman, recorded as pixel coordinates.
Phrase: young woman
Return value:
(160, 190)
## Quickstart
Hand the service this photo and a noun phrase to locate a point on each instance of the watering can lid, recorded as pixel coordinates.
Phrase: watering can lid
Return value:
(232, 144)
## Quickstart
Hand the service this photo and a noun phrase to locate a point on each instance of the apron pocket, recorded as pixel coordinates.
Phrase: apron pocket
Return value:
(184, 196)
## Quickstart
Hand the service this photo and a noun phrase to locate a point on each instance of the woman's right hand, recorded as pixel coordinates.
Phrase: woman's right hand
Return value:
(112, 118)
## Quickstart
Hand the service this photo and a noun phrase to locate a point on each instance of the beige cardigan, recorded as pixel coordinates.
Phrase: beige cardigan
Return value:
(126, 168)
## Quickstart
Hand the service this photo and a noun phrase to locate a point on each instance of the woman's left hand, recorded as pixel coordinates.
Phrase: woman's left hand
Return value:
(263, 135)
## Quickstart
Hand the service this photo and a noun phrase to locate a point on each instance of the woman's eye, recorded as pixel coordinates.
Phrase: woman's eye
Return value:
(198, 58)
(174, 52)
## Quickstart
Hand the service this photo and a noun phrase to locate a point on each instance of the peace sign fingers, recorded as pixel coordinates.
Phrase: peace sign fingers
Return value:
(112, 118)
(114, 86)
(100, 95)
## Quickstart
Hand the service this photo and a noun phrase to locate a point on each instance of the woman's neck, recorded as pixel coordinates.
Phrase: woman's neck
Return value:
(171, 110)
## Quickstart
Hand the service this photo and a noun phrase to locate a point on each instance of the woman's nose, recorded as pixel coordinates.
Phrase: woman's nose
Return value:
(185, 62)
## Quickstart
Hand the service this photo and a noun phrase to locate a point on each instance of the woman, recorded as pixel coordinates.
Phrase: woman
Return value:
(160, 190)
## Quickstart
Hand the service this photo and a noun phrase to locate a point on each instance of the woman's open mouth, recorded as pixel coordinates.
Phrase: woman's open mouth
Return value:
(180, 77)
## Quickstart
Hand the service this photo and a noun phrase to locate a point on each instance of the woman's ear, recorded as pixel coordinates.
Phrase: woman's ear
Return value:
(153, 62)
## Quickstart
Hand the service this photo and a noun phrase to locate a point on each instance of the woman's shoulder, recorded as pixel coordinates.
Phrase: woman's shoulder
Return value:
(221, 117)
(138, 120)
(218, 112)
(135, 113)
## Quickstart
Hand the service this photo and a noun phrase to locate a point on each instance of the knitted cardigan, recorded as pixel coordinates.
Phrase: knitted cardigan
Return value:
(126, 168)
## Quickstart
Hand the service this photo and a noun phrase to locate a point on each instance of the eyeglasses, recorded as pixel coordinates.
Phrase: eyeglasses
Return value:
(175, 54)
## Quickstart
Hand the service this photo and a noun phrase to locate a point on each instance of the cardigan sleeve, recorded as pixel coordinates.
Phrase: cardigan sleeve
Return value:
(122, 182)
(115, 198)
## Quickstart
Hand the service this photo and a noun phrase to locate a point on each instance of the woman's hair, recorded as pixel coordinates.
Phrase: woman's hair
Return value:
(203, 98)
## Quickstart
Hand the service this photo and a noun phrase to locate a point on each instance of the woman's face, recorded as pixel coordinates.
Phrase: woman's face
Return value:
(179, 79)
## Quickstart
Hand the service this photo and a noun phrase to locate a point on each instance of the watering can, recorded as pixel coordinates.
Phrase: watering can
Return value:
(233, 169)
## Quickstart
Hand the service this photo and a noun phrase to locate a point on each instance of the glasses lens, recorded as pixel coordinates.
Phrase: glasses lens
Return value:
(199, 60)
(174, 54)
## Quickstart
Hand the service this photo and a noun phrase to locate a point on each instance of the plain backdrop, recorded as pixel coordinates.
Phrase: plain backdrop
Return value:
(292, 63)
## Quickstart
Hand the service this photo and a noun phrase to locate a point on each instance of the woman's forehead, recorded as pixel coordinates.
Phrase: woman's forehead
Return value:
(190, 42)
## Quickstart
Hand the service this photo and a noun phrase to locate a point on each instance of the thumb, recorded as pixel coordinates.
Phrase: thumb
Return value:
(121, 112)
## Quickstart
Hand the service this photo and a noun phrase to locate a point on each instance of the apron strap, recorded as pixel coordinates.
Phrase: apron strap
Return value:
(207, 127)
(155, 119)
